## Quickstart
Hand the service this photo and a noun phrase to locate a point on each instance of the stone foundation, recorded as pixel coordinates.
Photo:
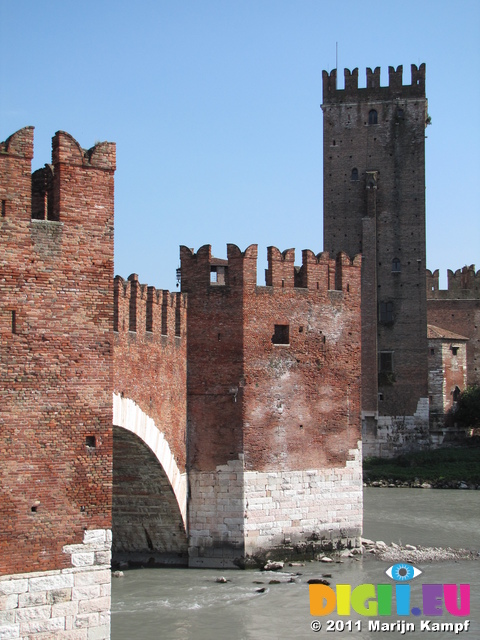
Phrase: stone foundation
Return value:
(71, 603)
(238, 515)
(390, 436)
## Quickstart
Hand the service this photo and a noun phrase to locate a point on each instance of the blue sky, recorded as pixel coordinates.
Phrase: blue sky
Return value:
(215, 109)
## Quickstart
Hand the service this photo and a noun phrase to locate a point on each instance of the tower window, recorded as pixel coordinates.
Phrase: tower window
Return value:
(386, 361)
(372, 117)
(454, 351)
(396, 266)
(386, 312)
(354, 174)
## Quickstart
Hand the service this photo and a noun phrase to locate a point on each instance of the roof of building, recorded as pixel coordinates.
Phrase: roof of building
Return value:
(443, 334)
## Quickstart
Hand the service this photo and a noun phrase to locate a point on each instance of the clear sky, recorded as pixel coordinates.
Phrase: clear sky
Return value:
(215, 109)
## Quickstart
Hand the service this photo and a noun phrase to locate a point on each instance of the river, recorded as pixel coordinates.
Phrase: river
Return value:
(188, 604)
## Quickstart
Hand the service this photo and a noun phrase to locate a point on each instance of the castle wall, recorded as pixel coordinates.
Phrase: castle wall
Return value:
(374, 203)
(56, 357)
(150, 370)
(457, 309)
(150, 364)
(284, 391)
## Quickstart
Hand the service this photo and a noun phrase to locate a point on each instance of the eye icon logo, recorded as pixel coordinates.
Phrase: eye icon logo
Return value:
(402, 572)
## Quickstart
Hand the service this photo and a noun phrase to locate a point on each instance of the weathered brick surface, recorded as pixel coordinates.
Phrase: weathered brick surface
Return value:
(374, 169)
(56, 353)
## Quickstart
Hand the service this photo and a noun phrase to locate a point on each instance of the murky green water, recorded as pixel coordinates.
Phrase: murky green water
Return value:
(183, 604)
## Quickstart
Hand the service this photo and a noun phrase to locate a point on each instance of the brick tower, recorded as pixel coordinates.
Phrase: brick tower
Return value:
(273, 397)
(374, 203)
(56, 364)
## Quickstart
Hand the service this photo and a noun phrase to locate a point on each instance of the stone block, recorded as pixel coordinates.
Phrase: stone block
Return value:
(83, 559)
(94, 605)
(86, 593)
(58, 595)
(49, 583)
(93, 576)
(42, 626)
(9, 631)
(9, 602)
(86, 620)
(64, 609)
(8, 587)
(99, 633)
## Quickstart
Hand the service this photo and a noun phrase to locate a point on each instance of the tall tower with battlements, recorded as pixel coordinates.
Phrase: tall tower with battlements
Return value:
(374, 204)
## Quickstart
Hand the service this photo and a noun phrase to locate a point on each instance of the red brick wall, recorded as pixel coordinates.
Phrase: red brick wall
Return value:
(302, 400)
(285, 407)
(215, 359)
(150, 356)
(56, 301)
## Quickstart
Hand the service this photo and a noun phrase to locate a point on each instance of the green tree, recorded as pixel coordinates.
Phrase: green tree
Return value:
(467, 413)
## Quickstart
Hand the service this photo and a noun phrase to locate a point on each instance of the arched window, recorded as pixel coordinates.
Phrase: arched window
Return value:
(372, 117)
(396, 266)
(354, 174)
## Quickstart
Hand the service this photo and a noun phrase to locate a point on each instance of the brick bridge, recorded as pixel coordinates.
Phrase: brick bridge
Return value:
(235, 407)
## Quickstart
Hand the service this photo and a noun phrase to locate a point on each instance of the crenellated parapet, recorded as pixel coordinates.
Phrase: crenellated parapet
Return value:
(141, 309)
(202, 269)
(60, 191)
(462, 283)
(373, 90)
(318, 273)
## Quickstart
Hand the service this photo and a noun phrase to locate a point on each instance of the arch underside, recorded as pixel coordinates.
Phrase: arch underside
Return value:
(148, 523)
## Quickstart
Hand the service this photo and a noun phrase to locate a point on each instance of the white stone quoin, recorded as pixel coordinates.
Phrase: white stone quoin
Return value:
(71, 603)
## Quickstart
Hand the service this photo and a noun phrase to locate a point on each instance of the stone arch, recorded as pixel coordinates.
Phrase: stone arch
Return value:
(128, 415)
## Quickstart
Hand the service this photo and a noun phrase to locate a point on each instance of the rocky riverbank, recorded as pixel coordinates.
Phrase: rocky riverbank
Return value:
(417, 484)
(414, 554)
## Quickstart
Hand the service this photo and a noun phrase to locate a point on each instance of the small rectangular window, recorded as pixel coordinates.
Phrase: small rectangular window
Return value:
(90, 442)
(4, 208)
(281, 334)
(454, 351)
(386, 312)
(386, 361)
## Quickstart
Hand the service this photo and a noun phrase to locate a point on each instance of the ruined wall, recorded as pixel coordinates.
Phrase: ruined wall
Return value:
(56, 357)
(374, 203)
(457, 309)
(273, 402)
